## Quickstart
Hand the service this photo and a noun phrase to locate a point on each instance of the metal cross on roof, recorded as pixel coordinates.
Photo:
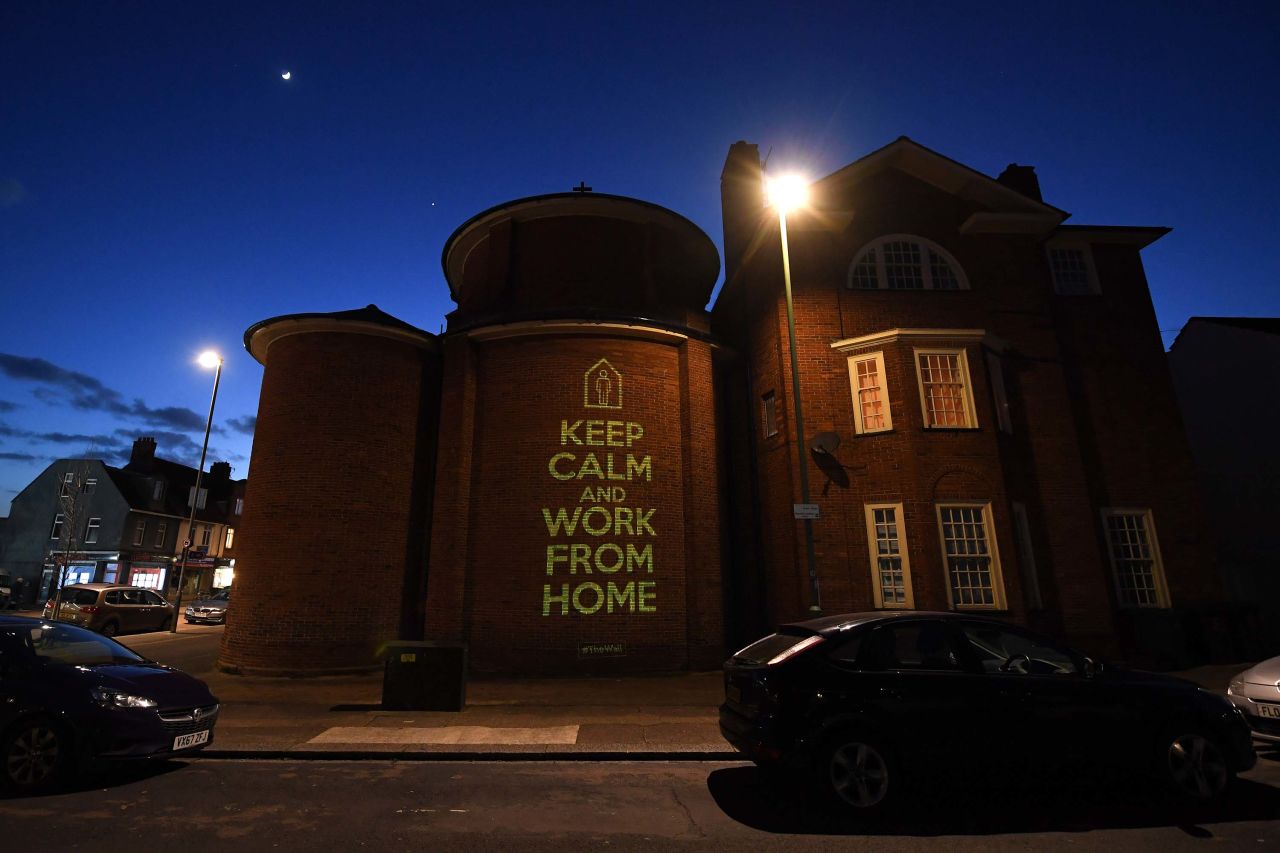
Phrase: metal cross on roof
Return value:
(582, 187)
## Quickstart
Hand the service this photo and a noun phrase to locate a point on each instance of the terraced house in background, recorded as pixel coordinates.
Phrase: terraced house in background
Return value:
(127, 525)
(587, 471)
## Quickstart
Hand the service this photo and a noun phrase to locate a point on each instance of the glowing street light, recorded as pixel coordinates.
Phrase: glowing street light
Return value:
(787, 193)
(207, 359)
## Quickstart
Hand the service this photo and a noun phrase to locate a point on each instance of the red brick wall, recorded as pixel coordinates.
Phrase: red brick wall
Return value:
(504, 402)
(1093, 415)
(322, 545)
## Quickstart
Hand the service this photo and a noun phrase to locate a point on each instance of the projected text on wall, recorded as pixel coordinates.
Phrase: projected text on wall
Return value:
(599, 557)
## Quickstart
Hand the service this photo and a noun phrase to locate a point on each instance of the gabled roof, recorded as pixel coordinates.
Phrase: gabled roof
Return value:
(942, 172)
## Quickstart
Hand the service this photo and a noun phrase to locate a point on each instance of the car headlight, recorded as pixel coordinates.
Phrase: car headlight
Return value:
(108, 698)
(1235, 688)
(190, 610)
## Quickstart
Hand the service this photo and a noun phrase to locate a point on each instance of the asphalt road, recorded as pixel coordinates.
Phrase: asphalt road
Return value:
(516, 806)
(193, 651)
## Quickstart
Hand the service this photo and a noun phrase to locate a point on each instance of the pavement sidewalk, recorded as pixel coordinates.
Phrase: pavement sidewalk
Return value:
(663, 716)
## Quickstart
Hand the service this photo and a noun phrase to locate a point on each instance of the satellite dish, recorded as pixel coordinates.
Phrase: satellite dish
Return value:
(826, 443)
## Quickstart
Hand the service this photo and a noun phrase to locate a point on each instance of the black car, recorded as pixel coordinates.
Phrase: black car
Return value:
(68, 696)
(868, 703)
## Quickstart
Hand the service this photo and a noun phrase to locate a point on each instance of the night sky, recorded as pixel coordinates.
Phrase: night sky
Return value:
(162, 187)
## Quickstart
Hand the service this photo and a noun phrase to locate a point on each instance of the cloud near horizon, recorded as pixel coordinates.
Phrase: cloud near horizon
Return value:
(59, 385)
(245, 425)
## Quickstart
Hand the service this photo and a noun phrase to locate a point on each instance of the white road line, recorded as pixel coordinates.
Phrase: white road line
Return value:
(449, 735)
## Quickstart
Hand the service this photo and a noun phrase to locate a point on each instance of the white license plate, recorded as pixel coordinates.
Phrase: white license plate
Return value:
(1272, 711)
(193, 739)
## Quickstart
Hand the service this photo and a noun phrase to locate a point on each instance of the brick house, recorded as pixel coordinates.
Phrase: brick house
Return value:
(1234, 449)
(1008, 437)
(587, 471)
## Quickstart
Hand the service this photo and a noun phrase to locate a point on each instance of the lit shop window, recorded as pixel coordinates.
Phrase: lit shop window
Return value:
(946, 396)
(904, 262)
(1135, 558)
(890, 568)
(968, 547)
(870, 402)
(231, 536)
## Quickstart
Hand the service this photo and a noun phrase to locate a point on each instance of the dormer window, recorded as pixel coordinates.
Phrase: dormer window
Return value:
(904, 262)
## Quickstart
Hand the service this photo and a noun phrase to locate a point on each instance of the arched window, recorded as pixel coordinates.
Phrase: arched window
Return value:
(905, 262)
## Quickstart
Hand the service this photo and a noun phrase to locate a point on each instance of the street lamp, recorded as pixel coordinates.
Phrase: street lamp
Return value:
(207, 359)
(787, 193)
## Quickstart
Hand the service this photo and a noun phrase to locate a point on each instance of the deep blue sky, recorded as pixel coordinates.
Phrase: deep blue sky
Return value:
(162, 188)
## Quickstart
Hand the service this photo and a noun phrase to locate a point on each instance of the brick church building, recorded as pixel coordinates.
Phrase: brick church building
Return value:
(587, 471)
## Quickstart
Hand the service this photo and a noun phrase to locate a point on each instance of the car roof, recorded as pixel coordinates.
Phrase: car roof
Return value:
(13, 620)
(836, 623)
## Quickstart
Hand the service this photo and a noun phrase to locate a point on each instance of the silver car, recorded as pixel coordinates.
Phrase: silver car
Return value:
(1256, 692)
(211, 610)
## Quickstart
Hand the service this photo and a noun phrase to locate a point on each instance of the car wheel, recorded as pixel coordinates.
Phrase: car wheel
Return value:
(35, 754)
(860, 773)
(1194, 767)
(109, 629)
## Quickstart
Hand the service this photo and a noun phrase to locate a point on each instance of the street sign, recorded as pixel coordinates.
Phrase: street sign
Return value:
(805, 510)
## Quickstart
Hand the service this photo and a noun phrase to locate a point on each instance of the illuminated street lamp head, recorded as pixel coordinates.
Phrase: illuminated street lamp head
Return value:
(788, 192)
(209, 358)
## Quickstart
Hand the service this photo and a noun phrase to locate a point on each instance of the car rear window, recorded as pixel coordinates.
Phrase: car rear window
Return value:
(776, 648)
(80, 596)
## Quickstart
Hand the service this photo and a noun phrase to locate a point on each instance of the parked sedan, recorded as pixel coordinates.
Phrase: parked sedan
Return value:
(68, 695)
(112, 609)
(867, 703)
(1256, 692)
(212, 610)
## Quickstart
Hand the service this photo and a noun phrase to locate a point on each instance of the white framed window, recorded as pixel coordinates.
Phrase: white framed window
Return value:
(239, 506)
(205, 532)
(157, 492)
(890, 566)
(905, 262)
(769, 414)
(966, 533)
(231, 537)
(90, 485)
(199, 502)
(56, 532)
(140, 532)
(870, 398)
(1072, 270)
(946, 394)
(1135, 557)
(68, 484)
(91, 531)
(1027, 556)
(999, 395)
(162, 529)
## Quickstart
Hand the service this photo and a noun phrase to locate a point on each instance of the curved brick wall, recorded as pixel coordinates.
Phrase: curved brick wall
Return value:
(328, 531)
(636, 585)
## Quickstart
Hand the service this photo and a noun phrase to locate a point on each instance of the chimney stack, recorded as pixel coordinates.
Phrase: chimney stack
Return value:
(144, 453)
(1023, 179)
(741, 202)
(220, 471)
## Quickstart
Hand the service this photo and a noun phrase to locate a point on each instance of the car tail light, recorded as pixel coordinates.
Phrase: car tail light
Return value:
(89, 608)
(791, 651)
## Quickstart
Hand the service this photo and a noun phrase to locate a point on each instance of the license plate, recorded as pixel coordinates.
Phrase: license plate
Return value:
(193, 739)
(1272, 711)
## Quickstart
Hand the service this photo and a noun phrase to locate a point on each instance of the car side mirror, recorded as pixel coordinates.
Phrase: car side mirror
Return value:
(1091, 667)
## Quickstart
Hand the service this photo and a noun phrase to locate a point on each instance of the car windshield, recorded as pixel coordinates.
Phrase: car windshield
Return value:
(67, 644)
(220, 596)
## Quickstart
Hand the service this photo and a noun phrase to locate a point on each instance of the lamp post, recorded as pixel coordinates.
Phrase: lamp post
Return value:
(207, 359)
(787, 193)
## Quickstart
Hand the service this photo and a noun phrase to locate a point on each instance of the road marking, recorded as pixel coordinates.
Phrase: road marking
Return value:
(449, 735)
